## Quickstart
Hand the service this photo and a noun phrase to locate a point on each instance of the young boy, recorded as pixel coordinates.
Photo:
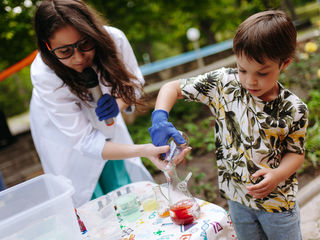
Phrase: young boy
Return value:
(260, 127)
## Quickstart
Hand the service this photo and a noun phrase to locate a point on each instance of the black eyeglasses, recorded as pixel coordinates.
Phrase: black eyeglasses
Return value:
(64, 52)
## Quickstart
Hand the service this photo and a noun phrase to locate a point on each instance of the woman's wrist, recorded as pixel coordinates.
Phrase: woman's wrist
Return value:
(114, 151)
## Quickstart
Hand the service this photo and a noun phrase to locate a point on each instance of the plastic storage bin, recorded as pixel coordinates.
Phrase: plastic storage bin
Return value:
(39, 209)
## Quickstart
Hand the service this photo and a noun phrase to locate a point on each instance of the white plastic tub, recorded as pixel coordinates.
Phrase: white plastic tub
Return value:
(39, 209)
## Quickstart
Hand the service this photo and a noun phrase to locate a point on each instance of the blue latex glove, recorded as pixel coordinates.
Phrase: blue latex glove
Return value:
(161, 130)
(107, 107)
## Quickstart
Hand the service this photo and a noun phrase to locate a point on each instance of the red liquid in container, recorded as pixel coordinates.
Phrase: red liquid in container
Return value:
(181, 212)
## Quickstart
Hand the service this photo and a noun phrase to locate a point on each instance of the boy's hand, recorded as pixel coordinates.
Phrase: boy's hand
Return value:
(266, 186)
(161, 130)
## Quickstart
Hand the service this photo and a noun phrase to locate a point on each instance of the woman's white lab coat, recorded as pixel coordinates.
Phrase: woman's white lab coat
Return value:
(66, 132)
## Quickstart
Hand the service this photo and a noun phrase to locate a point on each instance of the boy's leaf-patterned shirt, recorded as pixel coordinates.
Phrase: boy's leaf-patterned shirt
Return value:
(250, 134)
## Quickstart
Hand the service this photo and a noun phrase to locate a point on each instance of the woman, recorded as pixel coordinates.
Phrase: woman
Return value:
(68, 136)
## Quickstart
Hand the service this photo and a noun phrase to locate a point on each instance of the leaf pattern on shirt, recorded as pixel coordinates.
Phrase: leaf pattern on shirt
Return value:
(250, 134)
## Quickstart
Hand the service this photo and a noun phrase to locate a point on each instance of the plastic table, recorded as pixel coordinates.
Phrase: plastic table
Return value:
(213, 223)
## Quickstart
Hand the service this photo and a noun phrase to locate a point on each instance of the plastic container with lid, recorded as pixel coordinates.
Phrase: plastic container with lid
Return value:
(40, 208)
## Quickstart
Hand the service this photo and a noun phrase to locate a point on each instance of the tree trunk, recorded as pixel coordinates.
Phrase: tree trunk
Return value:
(205, 25)
(290, 7)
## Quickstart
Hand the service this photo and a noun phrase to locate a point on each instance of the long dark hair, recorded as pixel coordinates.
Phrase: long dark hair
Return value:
(54, 14)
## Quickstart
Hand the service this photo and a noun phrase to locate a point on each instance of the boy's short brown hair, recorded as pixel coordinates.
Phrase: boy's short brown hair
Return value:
(269, 34)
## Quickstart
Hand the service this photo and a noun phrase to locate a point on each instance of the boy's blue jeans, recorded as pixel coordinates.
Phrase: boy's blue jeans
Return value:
(253, 224)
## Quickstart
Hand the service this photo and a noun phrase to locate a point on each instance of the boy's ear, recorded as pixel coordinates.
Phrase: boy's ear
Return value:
(286, 63)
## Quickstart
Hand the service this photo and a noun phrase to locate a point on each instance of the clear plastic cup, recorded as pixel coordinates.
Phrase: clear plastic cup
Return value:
(148, 201)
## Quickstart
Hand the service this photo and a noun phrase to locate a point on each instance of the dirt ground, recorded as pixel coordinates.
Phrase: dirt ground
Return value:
(208, 185)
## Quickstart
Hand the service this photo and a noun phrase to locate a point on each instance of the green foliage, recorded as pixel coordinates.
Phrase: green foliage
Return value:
(313, 147)
(152, 26)
(16, 93)
(314, 106)
(304, 74)
(139, 129)
(16, 31)
(313, 134)
(305, 68)
(202, 187)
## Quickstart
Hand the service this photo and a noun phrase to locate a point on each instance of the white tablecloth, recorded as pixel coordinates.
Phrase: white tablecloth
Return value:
(213, 223)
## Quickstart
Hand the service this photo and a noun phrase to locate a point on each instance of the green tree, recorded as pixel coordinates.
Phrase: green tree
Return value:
(16, 31)
(159, 27)
(154, 27)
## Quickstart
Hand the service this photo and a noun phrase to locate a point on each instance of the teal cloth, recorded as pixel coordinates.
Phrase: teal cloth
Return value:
(113, 176)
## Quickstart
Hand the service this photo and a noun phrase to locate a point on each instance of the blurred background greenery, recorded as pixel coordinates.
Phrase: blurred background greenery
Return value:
(154, 27)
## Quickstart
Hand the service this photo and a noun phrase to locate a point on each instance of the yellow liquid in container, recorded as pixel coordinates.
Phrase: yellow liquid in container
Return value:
(149, 205)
